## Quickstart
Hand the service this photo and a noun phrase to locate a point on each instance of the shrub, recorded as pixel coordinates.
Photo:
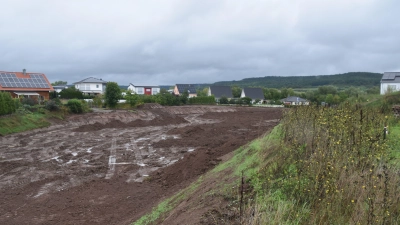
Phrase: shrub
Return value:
(223, 100)
(51, 105)
(246, 100)
(29, 101)
(75, 106)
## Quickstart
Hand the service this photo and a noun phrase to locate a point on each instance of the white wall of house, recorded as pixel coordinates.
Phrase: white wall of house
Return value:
(140, 90)
(389, 87)
(90, 87)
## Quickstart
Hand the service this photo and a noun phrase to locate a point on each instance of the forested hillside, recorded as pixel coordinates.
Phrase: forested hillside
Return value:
(340, 80)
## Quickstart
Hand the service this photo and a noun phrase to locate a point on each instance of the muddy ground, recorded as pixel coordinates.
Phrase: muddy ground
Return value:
(113, 167)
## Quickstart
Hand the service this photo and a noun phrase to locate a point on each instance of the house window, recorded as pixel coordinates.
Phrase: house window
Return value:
(140, 91)
(97, 86)
(155, 91)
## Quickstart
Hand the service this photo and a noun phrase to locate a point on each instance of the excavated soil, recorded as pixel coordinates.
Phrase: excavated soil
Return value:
(113, 167)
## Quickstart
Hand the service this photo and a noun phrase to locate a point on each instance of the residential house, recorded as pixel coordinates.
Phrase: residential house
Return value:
(220, 91)
(181, 88)
(59, 88)
(390, 82)
(23, 84)
(253, 93)
(294, 100)
(144, 90)
(91, 86)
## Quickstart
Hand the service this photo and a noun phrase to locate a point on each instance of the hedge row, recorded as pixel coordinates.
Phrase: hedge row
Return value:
(7, 104)
(206, 100)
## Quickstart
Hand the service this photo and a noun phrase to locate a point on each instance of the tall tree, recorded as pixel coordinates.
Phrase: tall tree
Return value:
(236, 91)
(113, 94)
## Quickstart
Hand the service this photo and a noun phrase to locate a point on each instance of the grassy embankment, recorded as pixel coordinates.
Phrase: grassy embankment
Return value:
(19, 122)
(320, 166)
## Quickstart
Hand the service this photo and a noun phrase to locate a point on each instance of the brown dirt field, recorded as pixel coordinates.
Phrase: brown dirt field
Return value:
(112, 168)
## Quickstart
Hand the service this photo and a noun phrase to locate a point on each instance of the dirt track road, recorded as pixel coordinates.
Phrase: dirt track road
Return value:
(111, 168)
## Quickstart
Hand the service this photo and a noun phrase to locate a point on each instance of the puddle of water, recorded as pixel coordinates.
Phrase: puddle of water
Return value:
(86, 160)
(141, 164)
(191, 150)
(74, 153)
(161, 158)
(89, 150)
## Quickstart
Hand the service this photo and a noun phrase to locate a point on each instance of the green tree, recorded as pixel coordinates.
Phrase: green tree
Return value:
(327, 89)
(202, 93)
(70, 93)
(112, 95)
(59, 83)
(184, 97)
(236, 91)
(3, 105)
(9, 102)
(286, 92)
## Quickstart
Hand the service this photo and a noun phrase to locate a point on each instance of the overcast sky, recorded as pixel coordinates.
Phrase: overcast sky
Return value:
(204, 41)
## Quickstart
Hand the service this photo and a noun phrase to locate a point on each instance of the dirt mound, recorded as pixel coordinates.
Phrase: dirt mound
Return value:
(160, 119)
(150, 106)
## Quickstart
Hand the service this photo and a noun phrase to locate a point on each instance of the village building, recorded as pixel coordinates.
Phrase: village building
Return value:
(144, 89)
(294, 100)
(91, 86)
(24, 84)
(390, 82)
(181, 88)
(253, 93)
(220, 91)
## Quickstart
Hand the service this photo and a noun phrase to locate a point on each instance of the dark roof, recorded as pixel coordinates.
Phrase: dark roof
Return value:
(219, 91)
(156, 86)
(293, 99)
(189, 87)
(23, 81)
(92, 80)
(391, 77)
(254, 93)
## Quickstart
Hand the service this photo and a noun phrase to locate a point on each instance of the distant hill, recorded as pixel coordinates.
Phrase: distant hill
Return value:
(340, 80)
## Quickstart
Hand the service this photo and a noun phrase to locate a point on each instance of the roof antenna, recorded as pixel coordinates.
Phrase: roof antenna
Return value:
(24, 72)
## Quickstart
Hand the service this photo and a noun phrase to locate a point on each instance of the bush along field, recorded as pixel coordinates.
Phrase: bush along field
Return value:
(334, 166)
(319, 166)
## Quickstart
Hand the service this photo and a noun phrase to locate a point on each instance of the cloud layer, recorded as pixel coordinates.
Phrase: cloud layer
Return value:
(182, 41)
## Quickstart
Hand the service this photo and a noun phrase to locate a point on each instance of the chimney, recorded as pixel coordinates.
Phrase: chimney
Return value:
(24, 72)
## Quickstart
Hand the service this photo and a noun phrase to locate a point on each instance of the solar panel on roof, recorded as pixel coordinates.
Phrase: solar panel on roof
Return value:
(11, 80)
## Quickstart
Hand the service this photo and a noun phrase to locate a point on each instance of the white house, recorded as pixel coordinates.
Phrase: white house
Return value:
(294, 100)
(390, 82)
(91, 86)
(144, 90)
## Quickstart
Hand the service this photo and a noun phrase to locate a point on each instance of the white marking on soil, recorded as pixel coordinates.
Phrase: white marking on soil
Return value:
(141, 164)
(89, 150)
(112, 159)
(191, 150)
(56, 158)
(71, 161)
(74, 153)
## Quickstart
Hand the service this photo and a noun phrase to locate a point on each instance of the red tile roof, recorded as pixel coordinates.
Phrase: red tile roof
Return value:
(18, 81)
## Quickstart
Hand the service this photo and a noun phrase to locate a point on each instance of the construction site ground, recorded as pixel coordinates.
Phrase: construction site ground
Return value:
(113, 167)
